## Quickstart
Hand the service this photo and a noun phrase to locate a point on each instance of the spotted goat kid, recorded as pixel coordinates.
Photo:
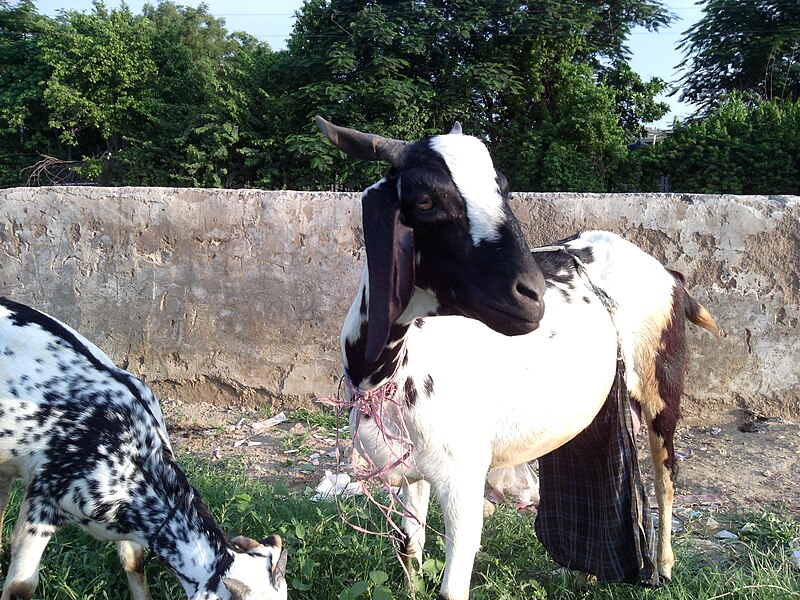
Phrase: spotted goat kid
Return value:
(89, 441)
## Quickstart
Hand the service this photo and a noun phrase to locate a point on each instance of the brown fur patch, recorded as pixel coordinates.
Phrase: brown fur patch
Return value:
(21, 591)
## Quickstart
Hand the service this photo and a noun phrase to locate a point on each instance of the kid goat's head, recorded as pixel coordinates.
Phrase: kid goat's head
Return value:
(440, 221)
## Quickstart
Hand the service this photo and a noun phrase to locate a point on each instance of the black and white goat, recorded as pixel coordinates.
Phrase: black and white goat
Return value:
(89, 441)
(442, 245)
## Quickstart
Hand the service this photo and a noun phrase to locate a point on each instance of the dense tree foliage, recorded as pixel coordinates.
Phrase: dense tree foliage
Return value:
(742, 46)
(742, 147)
(170, 97)
(507, 70)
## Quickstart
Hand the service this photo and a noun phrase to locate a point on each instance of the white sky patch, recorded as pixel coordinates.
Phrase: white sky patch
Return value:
(474, 175)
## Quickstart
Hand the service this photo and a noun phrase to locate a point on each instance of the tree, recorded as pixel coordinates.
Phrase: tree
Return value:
(24, 128)
(153, 99)
(407, 68)
(744, 146)
(742, 46)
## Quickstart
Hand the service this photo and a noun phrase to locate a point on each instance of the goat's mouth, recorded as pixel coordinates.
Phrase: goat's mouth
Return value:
(511, 320)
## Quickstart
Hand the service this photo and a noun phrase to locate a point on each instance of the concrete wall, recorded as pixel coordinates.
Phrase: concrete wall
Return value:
(237, 296)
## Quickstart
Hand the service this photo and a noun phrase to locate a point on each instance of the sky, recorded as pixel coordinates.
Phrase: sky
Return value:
(271, 21)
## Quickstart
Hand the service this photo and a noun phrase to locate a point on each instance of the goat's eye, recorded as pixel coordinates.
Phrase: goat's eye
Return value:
(424, 203)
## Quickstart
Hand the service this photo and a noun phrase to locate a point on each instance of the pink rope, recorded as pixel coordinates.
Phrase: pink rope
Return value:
(373, 404)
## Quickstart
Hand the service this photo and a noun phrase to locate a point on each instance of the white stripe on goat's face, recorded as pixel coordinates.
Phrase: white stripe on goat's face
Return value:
(476, 179)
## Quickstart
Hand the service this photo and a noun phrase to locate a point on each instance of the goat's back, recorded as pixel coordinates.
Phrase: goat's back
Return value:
(64, 407)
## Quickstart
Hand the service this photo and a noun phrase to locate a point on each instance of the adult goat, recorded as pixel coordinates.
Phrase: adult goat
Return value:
(499, 387)
(89, 441)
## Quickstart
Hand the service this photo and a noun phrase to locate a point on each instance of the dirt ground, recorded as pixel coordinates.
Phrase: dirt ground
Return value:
(753, 463)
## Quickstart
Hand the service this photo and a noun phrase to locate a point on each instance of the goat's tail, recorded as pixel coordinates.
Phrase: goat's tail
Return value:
(698, 314)
(694, 311)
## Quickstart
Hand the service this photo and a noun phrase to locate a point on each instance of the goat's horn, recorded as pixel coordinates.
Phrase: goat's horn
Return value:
(362, 146)
(456, 130)
(238, 590)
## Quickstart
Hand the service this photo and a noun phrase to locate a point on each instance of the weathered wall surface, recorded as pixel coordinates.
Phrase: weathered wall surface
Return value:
(238, 296)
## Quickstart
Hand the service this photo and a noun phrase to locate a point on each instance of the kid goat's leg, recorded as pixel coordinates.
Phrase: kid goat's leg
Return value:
(28, 542)
(416, 497)
(462, 504)
(131, 556)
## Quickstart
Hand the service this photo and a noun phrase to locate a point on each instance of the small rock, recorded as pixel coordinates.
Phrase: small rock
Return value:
(726, 535)
(767, 473)
(796, 557)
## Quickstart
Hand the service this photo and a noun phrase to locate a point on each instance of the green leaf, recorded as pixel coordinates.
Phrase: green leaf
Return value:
(300, 586)
(381, 593)
(358, 588)
(378, 577)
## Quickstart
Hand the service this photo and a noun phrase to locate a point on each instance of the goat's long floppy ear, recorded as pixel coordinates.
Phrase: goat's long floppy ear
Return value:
(390, 261)
(362, 146)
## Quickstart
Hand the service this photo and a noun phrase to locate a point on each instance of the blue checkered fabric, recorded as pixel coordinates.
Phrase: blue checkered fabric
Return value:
(593, 512)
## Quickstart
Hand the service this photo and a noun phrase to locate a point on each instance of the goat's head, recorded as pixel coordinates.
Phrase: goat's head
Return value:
(258, 571)
(440, 221)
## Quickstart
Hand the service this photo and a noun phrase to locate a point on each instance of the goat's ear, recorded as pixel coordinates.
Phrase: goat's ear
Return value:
(362, 146)
(244, 544)
(390, 261)
(456, 130)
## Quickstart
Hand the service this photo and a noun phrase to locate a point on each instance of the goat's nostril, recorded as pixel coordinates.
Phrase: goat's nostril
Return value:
(528, 292)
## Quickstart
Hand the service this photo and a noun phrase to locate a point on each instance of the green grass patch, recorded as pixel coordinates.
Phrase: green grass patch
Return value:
(328, 559)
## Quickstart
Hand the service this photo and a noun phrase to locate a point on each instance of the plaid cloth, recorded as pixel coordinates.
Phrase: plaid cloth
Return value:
(593, 513)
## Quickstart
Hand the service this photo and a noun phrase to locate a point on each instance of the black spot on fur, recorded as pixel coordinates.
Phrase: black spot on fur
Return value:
(428, 385)
(410, 392)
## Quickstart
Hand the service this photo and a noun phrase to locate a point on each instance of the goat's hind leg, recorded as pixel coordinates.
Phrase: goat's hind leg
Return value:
(29, 539)
(131, 556)
(416, 497)
(661, 435)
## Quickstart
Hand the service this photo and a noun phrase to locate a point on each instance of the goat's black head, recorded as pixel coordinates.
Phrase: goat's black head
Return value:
(440, 220)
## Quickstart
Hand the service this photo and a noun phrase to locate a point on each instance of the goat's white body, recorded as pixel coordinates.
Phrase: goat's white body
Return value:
(513, 399)
(500, 400)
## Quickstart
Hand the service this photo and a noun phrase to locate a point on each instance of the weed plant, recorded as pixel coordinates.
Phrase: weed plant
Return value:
(329, 559)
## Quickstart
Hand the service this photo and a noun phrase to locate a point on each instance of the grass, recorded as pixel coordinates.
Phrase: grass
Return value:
(330, 560)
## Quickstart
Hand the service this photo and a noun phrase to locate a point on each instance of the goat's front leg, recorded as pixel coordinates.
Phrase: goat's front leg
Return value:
(131, 556)
(461, 499)
(416, 497)
(28, 542)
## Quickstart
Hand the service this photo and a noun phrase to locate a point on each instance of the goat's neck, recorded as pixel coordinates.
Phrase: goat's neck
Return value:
(184, 535)
(361, 372)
